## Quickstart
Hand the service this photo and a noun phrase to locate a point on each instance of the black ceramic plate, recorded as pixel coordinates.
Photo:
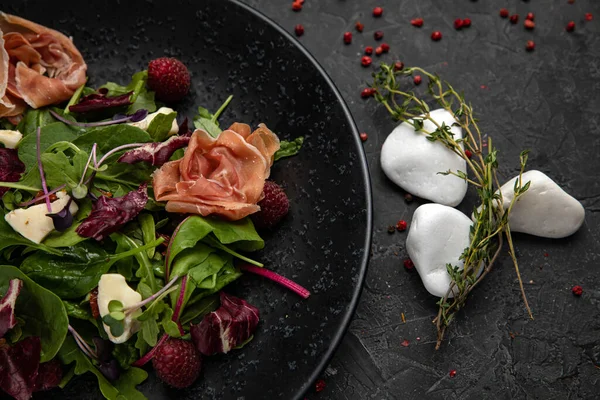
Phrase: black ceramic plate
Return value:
(324, 242)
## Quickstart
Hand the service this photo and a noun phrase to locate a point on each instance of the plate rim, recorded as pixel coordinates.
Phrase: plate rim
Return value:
(353, 304)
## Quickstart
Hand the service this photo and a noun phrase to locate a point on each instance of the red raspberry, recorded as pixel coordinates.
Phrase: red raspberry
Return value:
(273, 207)
(177, 363)
(49, 376)
(169, 78)
(577, 290)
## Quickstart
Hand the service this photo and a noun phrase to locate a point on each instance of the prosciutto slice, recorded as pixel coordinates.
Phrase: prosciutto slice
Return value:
(223, 176)
(38, 66)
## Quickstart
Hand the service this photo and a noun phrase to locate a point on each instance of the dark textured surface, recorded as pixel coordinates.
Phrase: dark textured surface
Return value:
(321, 243)
(547, 101)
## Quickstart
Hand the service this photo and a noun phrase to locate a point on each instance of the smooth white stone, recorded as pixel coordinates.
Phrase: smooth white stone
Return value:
(438, 235)
(413, 162)
(544, 209)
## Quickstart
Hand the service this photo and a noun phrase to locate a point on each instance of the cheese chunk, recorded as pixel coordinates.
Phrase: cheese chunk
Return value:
(32, 223)
(145, 123)
(115, 287)
(10, 139)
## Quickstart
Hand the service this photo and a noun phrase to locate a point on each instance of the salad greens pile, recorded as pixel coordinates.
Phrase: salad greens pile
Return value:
(176, 265)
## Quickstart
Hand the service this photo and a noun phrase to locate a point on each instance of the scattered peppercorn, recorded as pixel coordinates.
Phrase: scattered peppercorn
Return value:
(503, 13)
(359, 27)
(436, 36)
(570, 26)
(577, 290)
(367, 92)
(299, 29)
(529, 24)
(347, 37)
(379, 50)
(589, 16)
(391, 229)
(364, 137)
(408, 264)
(452, 373)
(296, 6)
(418, 22)
(378, 35)
(417, 79)
(408, 198)
(466, 22)
(458, 23)
(468, 153)
(530, 16)
(514, 18)
(404, 343)
(368, 50)
(377, 12)
(385, 47)
(398, 66)
(571, 1)
(366, 61)
(530, 45)
(401, 225)
(320, 385)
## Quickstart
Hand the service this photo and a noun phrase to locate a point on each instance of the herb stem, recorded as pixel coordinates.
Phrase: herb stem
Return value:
(275, 277)
(216, 115)
(160, 293)
(41, 168)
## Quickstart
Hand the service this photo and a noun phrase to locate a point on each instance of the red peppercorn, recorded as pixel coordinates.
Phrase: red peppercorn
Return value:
(530, 45)
(359, 27)
(452, 373)
(398, 66)
(514, 18)
(366, 61)
(577, 290)
(404, 343)
(436, 36)
(367, 92)
(401, 225)
(377, 12)
(385, 47)
(458, 23)
(369, 50)
(589, 16)
(529, 24)
(408, 264)
(379, 50)
(530, 16)
(466, 22)
(296, 6)
(320, 385)
(299, 29)
(417, 79)
(363, 136)
(570, 26)
(503, 13)
(378, 35)
(418, 22)
(347, 37)
(468, 153)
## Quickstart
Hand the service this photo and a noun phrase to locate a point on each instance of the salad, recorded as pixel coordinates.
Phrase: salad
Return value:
(122, 223)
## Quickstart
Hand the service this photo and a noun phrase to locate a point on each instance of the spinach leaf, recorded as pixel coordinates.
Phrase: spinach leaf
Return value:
(70, 237)
(50, 134)
(199, 308)
(58, 170)
(141, 97)
(78, 311)
(288, 149)
(8, 238)
(160, 126)
(123, 388)
(78, 271)
(34, 118)
(43, 312)
(110, 137)
(121, 178)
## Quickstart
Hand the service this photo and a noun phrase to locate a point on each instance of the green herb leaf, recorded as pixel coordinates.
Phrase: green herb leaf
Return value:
(141, 97)
(288, 149)
(160, 126)
(115, 305)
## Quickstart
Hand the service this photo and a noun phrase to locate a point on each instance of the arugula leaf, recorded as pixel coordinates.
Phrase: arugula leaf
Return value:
(50, 134)
(122, 178)
(78, 271)
(123, 388)
(209, 122)
(43, 312)
(141, 97)
(288, 149)
(160, 126)
(58, 170)
(199, 308)
(146, 269)
(148, 230)
(8, 238)
(34, 118)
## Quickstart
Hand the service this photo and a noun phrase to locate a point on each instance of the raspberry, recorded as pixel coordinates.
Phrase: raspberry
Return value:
(49, 376)
(177, 363)
(169, 78)
(273, 207)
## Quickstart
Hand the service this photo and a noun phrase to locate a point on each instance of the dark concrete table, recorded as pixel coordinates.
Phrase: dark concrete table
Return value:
(547, 101)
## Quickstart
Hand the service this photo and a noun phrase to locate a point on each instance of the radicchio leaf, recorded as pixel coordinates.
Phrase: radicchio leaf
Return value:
(11, 167)
(99, 101)
(19, 365)
(135, 117)
(110, 214)
(62, 219)
(230, 326)
(49, 376)
(155, 153)
(7, 306)
(184, 128)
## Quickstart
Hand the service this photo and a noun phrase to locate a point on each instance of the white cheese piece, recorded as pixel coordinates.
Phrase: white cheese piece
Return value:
(10, 139)
(32, 222)
(438, 235)
(413, 162)
(115, 287)
(544, 209)
(145, 123)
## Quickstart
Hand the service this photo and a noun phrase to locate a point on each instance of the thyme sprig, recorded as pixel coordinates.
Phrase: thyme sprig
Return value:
(491, 227)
